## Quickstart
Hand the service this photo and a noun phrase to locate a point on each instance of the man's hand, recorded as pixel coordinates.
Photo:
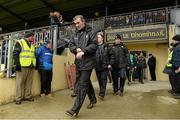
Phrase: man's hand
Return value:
(178, 70)
(78, 50)
(79, 55)
(109, 67)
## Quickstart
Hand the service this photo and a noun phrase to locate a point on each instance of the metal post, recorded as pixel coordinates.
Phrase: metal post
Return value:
(55, 32)
(25, 25)
(106, 10)
(132, 22)
(176, 3)
(9, 59)
(5, 55)
(0, 56)
(167, 13)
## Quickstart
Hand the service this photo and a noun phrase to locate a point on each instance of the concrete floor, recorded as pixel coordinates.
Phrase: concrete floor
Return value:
(140, 101)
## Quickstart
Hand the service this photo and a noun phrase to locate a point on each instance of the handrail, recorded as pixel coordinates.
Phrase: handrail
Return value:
(103, 17)
(44, 27)
(54, 32)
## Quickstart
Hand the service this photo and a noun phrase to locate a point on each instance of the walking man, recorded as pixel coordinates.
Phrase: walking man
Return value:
(83, 46)
(119, 61)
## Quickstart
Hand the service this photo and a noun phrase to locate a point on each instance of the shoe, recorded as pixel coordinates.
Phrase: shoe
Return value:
(13, 75)
(73, 95)
(170, 91)
(71, 113)
(101, 97)
(141, 81)
(18, 102)
(43, 95)
(177, 96)
(121, 94)
(91, 105)
(115, 93)
(29, 99)
(129, 83)
(49, 95)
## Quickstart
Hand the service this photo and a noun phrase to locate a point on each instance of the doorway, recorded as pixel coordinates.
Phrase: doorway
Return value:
(145, 54)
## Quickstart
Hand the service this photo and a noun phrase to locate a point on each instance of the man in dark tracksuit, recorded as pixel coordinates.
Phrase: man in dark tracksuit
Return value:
(152, 66)
(176, 65)
(83, 46)
(119, 60)
(141, 64)
(102, 62)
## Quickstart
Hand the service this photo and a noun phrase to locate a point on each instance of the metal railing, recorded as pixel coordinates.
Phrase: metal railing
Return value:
(57, 34)
(146, 17)
(8, 41)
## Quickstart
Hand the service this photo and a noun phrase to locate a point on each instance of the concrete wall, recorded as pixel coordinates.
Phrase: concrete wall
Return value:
(59, 82)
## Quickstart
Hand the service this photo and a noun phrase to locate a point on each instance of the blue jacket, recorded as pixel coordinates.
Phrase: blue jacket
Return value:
(44, 57)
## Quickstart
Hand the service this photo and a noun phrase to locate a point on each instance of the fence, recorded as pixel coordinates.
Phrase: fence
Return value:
(61, 35)
(155, 16)
(8, 41)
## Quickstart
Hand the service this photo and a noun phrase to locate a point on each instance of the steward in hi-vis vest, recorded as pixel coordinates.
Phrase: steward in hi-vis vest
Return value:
(25, 61)
(27, 54)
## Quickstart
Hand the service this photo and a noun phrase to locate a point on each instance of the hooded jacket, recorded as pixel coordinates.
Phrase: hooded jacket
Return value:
(44, 56)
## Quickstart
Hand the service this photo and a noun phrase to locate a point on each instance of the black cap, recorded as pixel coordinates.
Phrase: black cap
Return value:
(176, 37)
(118, 36)
(28, 34)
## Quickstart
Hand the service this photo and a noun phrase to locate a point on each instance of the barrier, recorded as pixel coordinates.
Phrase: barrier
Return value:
(8, 41)
(58, 34)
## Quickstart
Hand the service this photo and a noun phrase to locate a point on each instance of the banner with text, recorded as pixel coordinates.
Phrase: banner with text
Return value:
(153, 32)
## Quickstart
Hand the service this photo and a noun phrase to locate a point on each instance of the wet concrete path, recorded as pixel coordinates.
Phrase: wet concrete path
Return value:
(140, 101)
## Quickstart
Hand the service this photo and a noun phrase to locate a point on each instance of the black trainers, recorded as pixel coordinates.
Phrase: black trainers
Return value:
(141, 81)
(91, 105)
(18, 102)
(115, 93)
(121, 94)
(73, 95)
(71, 113)
(170, 91)
(177, 97)
(101, 97)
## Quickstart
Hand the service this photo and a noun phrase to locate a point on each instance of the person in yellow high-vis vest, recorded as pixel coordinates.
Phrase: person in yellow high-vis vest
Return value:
(25, 62)
(169, 65)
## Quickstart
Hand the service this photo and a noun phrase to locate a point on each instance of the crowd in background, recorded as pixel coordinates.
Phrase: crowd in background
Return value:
(138, 18)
